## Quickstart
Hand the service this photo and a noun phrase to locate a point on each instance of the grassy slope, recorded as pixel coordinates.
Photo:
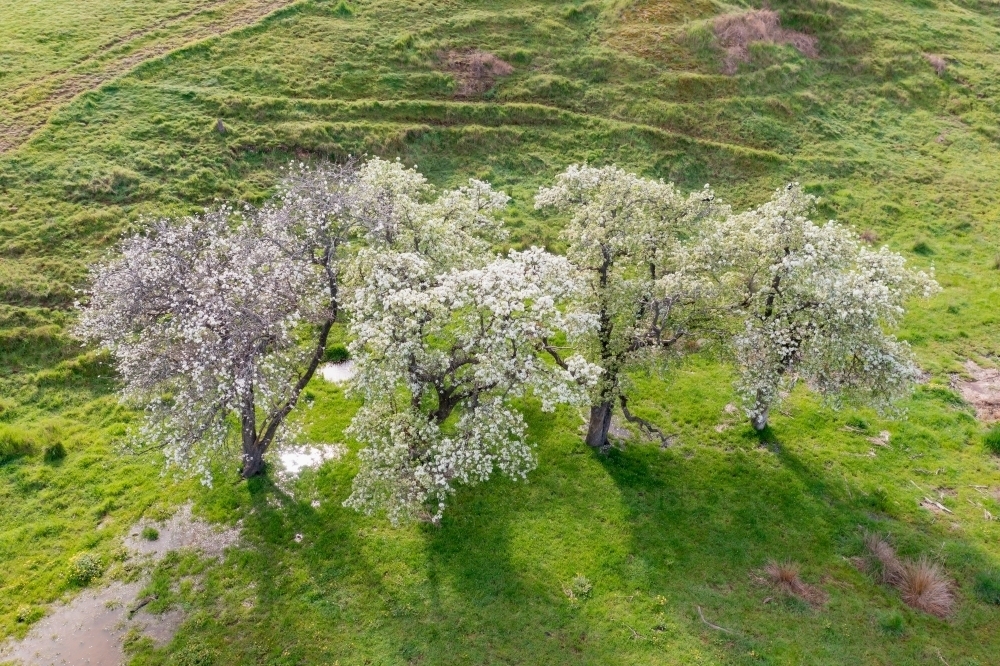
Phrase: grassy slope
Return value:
(868, 126)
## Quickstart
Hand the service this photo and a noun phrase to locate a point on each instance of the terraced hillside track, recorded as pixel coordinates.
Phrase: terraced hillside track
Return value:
(26, 107)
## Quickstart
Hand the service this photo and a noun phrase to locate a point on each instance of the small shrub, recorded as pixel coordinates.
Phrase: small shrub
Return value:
(891, 623)
(579, 588)
(992, 440)
(924, 586)
(84, 568)
(150, 533)
(28, 614)
(343, 10)
(988, 587)
(923, 249)
(337, 354)
(54, 452)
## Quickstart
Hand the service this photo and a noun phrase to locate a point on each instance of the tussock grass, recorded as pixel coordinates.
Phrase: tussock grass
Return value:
(922, 584)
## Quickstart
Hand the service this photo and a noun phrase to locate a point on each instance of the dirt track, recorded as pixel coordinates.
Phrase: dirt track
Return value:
(31, 105)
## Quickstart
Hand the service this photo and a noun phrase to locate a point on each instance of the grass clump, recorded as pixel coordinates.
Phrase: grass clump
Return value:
(54, 452)
(891, 623)
(991, 440)
(785, 577)
(15, 441)
(922, 584)
(337, 354)
(150, 533)
(987, 586)
(343, 10)
(84, 567)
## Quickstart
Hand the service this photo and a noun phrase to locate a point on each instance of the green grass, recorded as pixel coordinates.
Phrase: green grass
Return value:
(887, 144)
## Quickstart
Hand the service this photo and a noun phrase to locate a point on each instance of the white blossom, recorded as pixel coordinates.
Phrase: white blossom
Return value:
(224, 314)
(813, 303)
(445, 336)
(626, 241)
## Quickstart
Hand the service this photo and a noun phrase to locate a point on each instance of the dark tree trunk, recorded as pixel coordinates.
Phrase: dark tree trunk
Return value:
(253, 461)
(253, 451)
(600, 422)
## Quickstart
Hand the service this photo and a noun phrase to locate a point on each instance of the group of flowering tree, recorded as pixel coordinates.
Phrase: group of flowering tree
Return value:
(217, 322)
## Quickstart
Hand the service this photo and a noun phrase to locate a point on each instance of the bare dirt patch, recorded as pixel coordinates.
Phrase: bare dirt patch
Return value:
(181, 531)
(982, 391)
(736, 32)
(475, 71)
(89, 628)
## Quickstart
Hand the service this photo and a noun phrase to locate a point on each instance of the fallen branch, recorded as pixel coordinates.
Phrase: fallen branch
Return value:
(938, 505)
(142, 602)
(713, 626)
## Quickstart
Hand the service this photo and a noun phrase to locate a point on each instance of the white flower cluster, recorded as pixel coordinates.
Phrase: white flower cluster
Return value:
(813, 303)
(625, 240)
(445, 335)
(224, 314)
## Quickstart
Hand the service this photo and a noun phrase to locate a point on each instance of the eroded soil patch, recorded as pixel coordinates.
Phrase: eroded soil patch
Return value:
(475, 71)
(89, 628)
(736, 32)
(982, 391)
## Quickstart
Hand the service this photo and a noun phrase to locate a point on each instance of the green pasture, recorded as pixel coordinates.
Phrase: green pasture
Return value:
(663, 536)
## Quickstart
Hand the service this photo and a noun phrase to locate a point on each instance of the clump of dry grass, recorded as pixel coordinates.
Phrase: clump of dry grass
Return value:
(737, 31)
(922, 584)
(937, 62)
(785, 576)
(475, 71)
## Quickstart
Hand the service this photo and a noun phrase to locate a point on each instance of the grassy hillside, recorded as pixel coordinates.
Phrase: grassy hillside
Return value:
(888, 143)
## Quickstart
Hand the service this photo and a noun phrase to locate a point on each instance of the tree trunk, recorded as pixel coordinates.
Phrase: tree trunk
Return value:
(253, 450)
(759, 420)
(600, 422)
(253, 461)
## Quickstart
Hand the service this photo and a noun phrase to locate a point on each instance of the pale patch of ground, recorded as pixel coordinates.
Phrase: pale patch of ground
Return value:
(982, 392)
(337, 373)
(295, 459)
(89, 628)
(182, 531)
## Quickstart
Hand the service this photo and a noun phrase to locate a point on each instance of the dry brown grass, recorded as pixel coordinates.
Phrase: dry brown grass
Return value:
(937, 62)
(475, 71)
(922, 584)
(785, 576)
(869, 236)
(736, 32)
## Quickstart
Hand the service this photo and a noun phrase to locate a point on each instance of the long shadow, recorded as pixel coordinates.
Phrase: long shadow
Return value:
(705, 523)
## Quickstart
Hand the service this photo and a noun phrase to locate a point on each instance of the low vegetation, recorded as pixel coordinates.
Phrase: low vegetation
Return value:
(660, 542)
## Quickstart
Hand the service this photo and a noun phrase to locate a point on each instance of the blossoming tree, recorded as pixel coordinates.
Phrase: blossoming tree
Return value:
(626, 238)
(225, 314)
(445, 335)
(812, 303)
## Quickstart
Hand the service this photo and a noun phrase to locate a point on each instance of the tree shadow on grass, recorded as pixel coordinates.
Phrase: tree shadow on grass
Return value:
(705, 521)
